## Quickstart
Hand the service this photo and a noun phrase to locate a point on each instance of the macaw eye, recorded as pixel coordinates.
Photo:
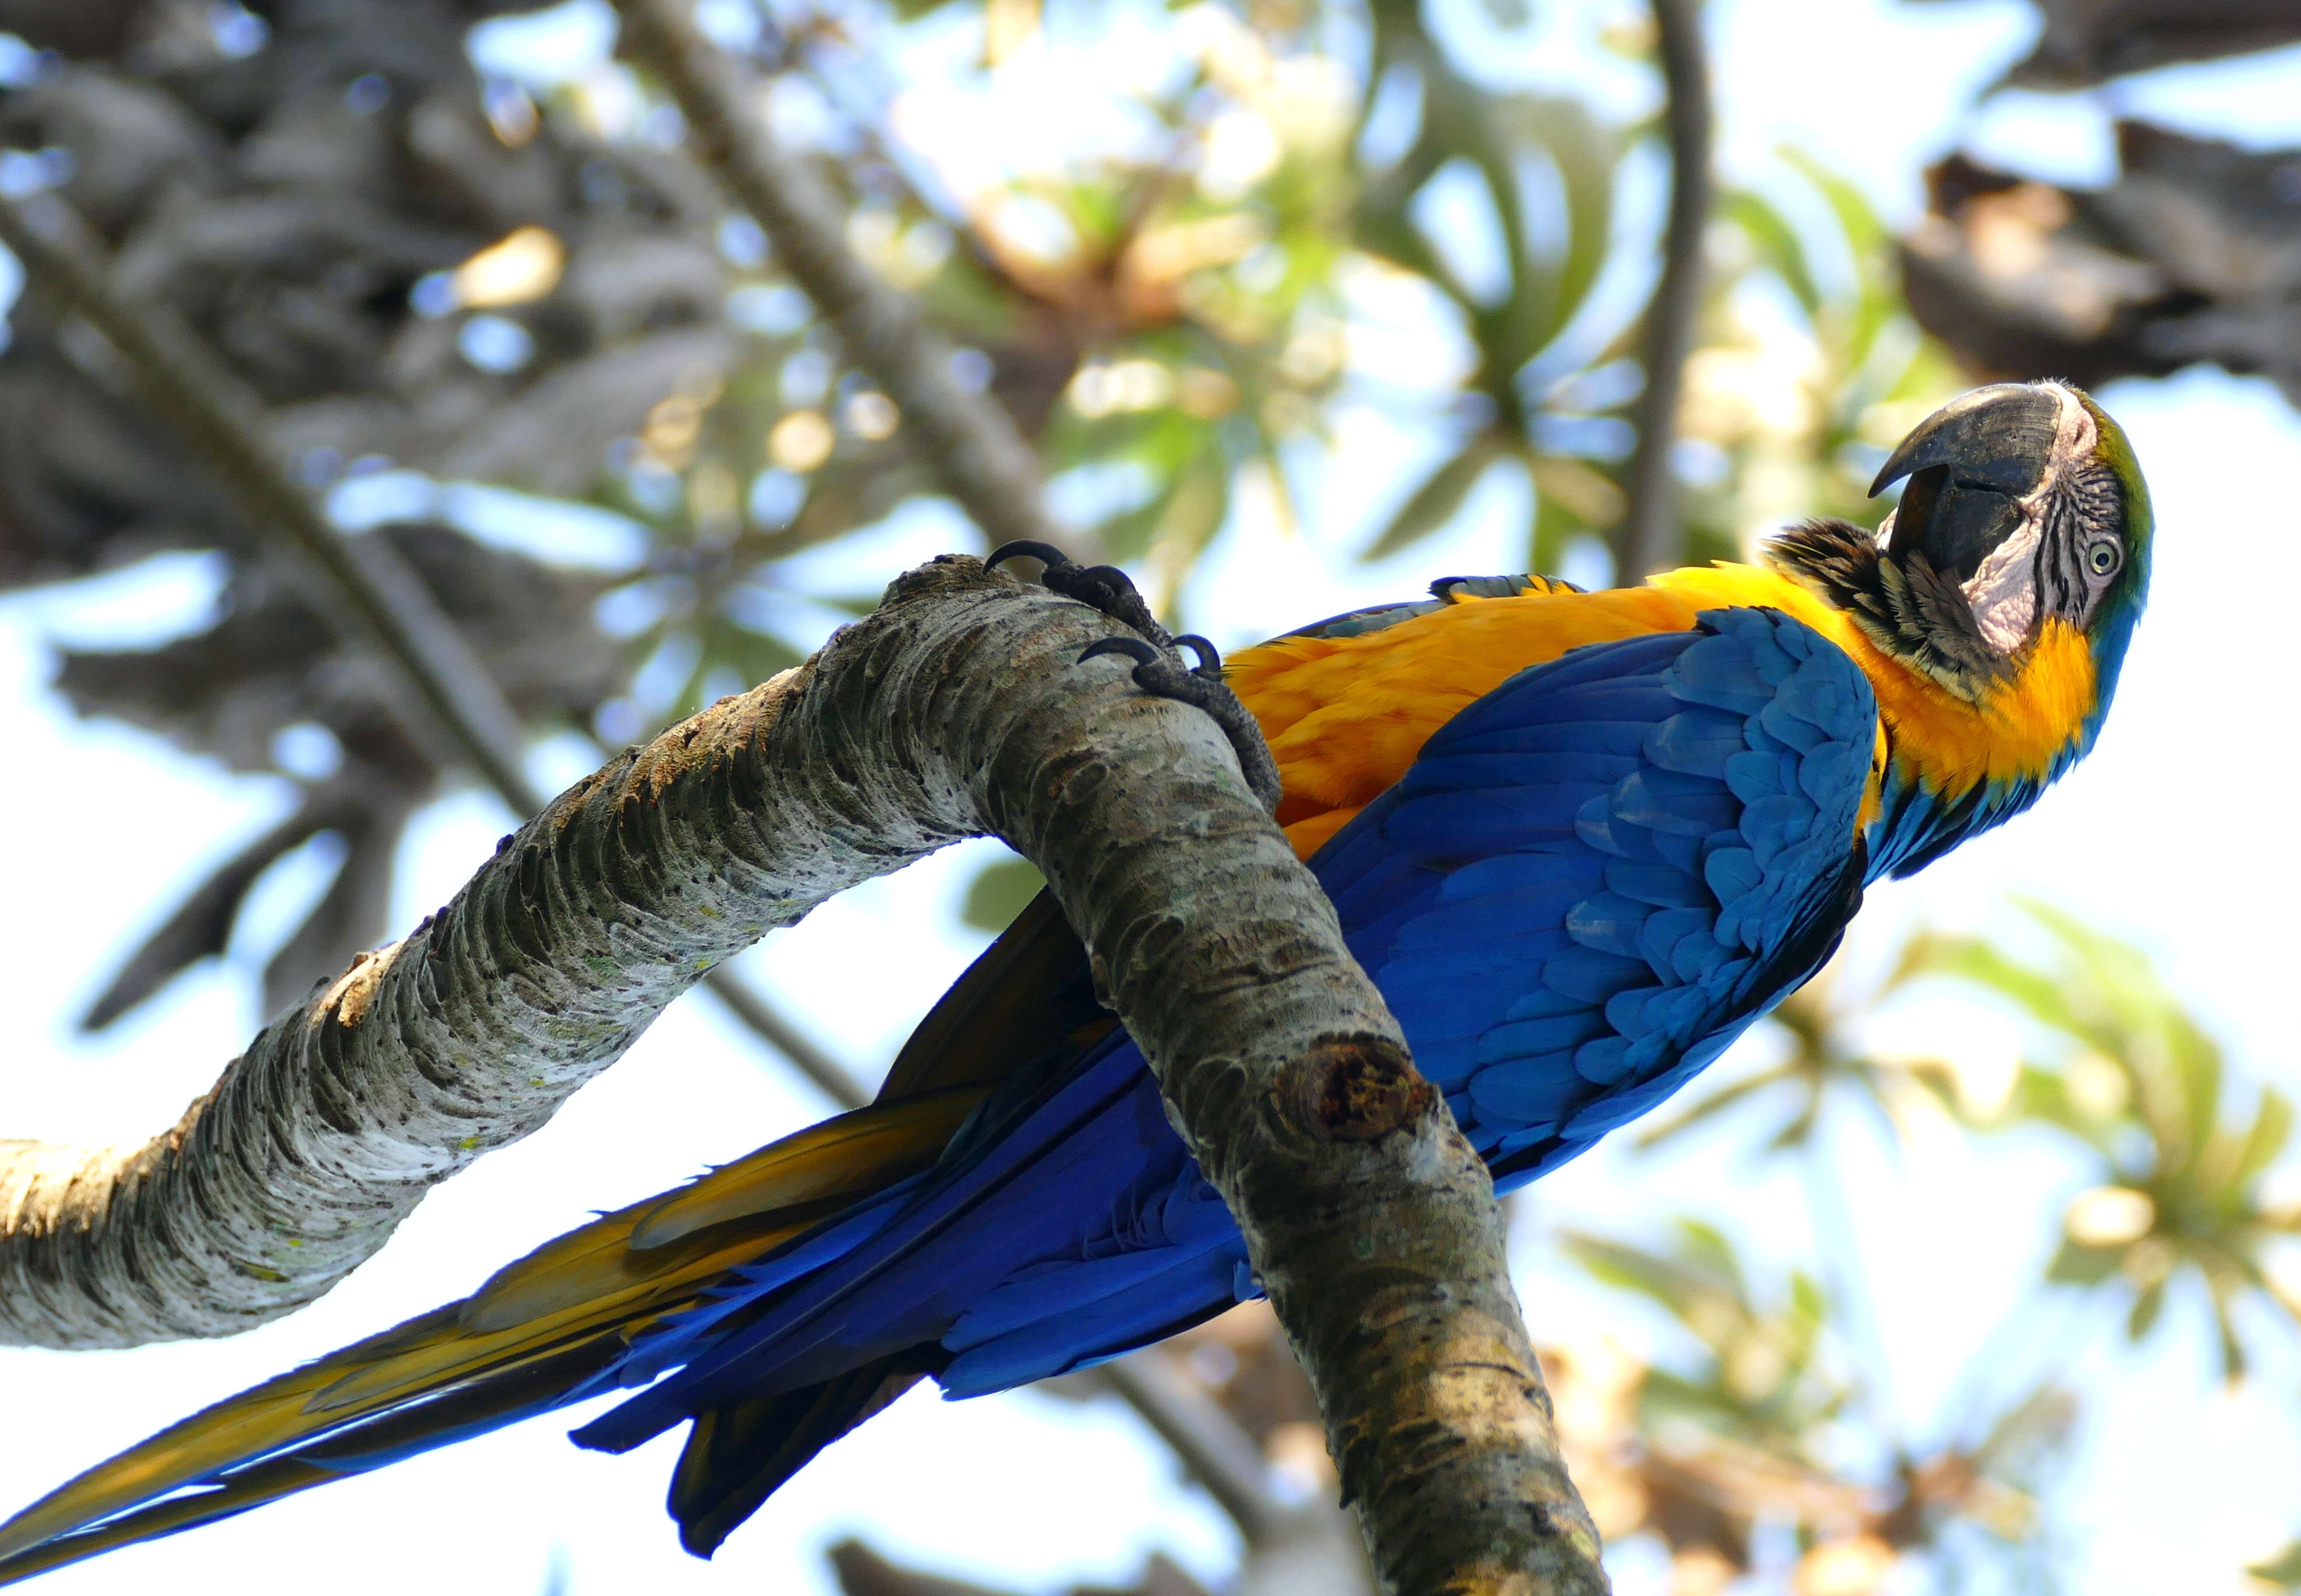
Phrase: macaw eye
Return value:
(2102, 558)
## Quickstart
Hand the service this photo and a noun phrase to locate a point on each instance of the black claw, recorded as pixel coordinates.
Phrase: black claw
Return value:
(1210, 666)
(1104, 588)
(1141, 653)
(1046, 554)
(1108, 590)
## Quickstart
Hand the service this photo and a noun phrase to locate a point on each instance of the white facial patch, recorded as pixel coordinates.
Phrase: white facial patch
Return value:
(2074, 432)
(2003, 592)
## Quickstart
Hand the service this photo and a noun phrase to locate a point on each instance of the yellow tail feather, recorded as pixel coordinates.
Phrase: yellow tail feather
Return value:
(837, 1158)
(539, 1326)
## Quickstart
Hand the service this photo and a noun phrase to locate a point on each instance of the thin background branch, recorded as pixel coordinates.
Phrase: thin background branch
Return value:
(1650, 537)
(367, 589)
(968, 441)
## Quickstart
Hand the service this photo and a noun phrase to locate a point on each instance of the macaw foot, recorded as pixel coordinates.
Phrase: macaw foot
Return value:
(1157, 673)
(1159, 669)
(1104, 588)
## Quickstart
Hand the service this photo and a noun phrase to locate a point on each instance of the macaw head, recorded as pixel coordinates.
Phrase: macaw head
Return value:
(2025, 515)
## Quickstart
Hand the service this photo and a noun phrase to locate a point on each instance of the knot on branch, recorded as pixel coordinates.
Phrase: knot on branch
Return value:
(1357, 1088)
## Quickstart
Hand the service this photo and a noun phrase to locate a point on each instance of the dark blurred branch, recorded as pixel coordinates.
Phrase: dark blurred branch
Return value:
(967, 439)
(1650, 538)
(367, 589)
(2188, 256)
(2085, 42)
(1211, 1445)
(360, 585)
(834, 1079)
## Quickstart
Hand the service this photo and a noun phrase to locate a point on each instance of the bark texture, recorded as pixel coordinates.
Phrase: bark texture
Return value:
(954, 710)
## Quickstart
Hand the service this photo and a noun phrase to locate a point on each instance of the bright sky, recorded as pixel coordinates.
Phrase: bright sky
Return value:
(2159, 836)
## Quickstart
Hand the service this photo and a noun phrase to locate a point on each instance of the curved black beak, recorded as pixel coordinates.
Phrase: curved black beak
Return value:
(1969, 464)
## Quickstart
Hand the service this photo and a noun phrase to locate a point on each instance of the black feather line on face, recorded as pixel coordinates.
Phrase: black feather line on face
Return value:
(2061, 578)
(1906, 607)
(2087, 500)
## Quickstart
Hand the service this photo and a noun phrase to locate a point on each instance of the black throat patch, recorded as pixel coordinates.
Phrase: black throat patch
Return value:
(1906, 607)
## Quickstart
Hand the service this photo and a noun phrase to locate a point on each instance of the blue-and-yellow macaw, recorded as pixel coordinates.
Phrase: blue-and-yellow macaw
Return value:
(1580, 840)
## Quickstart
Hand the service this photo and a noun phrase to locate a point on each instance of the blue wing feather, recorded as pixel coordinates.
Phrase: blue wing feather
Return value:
(1677, 871)
(1592, 879)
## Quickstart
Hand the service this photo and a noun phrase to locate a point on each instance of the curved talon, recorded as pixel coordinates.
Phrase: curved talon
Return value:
(1110, 591)
(1105, 589)
(1210, 666)
(1135, 648)
(1046, 554)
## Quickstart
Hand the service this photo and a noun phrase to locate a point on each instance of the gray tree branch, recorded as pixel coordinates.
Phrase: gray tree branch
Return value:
(369, 595)
(1650, 538)
(954, 710)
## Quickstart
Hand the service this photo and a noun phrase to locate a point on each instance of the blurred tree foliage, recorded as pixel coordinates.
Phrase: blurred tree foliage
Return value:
(432, 277)
(2165, 1146)
(493, 311)
(2131, 1078)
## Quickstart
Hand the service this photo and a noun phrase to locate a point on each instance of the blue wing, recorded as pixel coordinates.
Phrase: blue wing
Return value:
(1589, 883)
(1597, 875)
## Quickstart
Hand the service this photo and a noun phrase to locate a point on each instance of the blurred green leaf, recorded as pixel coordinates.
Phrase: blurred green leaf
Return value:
(1555, 527)
(1433, 504)
(2272, 1128)
(1586, 156)
(2282, 1571)
(2146, 1309)
(1777, 244)
(1000, 890)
